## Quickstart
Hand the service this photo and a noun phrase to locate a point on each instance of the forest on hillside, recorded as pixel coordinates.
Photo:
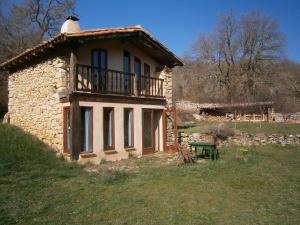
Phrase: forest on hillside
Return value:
(242, 60)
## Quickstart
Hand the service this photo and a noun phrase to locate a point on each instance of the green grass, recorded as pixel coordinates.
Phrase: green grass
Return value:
(38, 188)
(250, 127)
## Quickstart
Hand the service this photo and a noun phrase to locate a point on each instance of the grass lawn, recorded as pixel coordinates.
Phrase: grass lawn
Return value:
(38, 188)
(250, 127)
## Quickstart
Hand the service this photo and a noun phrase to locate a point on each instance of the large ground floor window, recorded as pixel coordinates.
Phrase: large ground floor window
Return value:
(67, 130)
(108, 128)
(128, 127)
(86, 118)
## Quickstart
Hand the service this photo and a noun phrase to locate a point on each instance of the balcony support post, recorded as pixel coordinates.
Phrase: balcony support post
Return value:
(74, 109)
(73, 75)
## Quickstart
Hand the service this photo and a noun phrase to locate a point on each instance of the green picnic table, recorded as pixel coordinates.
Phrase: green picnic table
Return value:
(213, 152)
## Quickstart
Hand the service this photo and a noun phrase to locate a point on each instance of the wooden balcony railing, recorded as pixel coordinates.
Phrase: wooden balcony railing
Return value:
(150, 86)
(106, 81)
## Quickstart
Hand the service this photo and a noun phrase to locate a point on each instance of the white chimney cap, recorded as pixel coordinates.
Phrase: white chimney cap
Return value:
(71, 25)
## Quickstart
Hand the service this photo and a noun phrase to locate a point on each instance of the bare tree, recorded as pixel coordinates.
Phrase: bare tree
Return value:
(221, 48)
(30, 22)
(261, 45)
(242, 52)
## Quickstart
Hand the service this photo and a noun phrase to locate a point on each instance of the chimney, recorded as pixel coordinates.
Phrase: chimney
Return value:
(71, 25)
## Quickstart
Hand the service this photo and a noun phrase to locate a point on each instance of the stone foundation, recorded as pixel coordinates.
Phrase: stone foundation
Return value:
(34, 100)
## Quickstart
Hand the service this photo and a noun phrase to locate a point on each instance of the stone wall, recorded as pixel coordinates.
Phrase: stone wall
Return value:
(3, 93)
(242, 139)
(166, 74)
(34, 100)
(187, 106)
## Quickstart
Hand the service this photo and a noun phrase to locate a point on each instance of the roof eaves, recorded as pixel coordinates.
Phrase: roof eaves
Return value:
(85, 33)
(40, 47)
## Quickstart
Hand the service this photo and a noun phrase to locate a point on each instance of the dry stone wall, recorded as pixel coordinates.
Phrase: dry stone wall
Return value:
(34, 104)
(166, 74)
(187, 106)
(242, 139)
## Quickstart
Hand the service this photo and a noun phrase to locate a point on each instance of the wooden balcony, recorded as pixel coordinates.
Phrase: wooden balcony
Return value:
(107, 81)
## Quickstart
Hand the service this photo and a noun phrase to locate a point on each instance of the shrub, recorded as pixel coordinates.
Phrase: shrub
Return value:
(222, 131)
(184, 116)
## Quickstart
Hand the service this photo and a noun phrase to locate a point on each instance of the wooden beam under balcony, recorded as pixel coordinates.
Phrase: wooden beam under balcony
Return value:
(73, 72)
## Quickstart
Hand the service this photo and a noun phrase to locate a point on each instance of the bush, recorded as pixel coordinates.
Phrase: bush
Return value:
(222, 131)
(184, 116)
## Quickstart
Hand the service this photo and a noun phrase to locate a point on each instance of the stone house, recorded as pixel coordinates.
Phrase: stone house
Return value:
(95, 94)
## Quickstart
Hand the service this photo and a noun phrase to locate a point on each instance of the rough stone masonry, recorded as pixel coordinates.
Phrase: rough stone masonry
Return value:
(34, 100)
(243, 139)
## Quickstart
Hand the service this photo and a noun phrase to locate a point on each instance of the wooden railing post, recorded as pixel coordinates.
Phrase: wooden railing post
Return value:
(135, 85)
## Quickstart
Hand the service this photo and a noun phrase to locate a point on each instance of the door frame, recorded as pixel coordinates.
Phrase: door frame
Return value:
(174, 147)
(150, 150)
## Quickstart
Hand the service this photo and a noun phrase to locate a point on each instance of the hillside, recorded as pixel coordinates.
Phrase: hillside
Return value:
(36, 187)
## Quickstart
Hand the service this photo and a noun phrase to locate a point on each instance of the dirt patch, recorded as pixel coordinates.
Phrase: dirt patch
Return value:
(134, 163)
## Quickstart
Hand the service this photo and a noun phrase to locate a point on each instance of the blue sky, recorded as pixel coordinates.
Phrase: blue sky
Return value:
(177, 23)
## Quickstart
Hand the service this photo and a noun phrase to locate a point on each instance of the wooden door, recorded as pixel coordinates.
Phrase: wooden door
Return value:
(148, 132)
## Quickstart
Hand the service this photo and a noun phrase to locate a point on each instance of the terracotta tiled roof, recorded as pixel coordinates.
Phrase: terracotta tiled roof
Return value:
(65, 37)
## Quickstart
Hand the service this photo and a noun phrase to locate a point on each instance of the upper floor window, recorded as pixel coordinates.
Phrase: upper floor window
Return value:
(126, 62)
(99, 65)
(127, 77)
(146, 70)
(137, 66)
(99, 58)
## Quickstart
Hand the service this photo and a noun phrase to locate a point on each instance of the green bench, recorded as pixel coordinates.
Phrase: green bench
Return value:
(196, 146)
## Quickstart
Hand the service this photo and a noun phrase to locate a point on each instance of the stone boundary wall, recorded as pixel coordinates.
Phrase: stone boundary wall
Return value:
(34, 104)
(243, 139)
(187, 106)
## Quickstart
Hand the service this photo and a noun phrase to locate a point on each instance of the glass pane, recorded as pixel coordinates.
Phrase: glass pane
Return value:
(103, 59)
(137, 67)
(128, 138)
(147, 70)
(147, 130)
(68, 131)
(95, 65)
(126, 63)
(108, 129)
(86, 129)
(95, 61)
